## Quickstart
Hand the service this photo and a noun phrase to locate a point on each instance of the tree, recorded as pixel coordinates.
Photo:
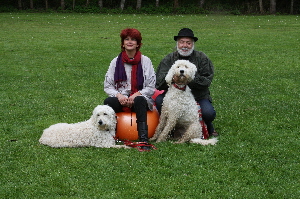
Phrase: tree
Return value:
(292, 7)
(31, 4)
(100, 3)
(138, 4)
(122, 4)
(20, 4)
(201, 3)
(245, 6)
(46, 4)
(176, 4)
(272, 6)
(261, 7)
(62, 4)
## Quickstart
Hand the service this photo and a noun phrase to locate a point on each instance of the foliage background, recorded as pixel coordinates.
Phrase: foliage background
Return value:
(52, 69)
(149, 7)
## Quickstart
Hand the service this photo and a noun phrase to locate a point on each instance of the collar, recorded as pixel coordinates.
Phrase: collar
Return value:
(180, 88)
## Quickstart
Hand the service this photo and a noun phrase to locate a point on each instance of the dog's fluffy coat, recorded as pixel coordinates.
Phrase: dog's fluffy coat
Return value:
(179, 106)
(98, 131)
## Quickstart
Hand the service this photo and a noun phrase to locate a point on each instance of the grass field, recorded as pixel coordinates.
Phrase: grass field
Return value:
(52, 69)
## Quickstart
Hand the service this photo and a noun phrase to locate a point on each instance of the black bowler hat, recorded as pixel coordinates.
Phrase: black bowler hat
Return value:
(186, 32)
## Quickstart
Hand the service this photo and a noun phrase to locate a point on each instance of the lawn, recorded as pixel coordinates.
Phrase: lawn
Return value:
(52, 69)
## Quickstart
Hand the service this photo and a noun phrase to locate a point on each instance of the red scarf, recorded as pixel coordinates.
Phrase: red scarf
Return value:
(134, 71)
(137, 77)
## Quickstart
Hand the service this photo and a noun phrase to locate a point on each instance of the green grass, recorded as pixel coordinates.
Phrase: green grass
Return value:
(52, 69)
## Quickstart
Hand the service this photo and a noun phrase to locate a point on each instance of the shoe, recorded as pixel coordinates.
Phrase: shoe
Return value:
(146, 148)
(214, 134)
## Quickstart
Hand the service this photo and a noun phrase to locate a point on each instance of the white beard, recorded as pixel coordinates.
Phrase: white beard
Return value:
(185, 53)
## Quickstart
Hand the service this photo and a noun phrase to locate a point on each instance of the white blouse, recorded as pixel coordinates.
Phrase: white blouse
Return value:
(149, 80)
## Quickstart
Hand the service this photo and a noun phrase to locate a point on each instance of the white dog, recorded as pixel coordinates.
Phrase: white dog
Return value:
(98, 131)
(179, 106)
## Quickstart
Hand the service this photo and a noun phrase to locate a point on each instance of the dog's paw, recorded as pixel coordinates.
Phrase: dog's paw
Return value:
(122, 146)
(179, 142)
(212, 141)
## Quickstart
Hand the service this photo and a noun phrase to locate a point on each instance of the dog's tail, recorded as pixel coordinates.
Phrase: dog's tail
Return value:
(211, 141)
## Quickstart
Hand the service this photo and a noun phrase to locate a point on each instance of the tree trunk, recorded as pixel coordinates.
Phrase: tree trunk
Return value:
(157, 3)
(201, 3)
(272, 6)
(31, 4)
(261, 7)
(248, 7)
(62, 4)
(87, 3)
(46, 4)
(292, 7)
(100, 3)
(122, 4)
(176, 4)
(73, 6)
(138, 4)
(20, 4)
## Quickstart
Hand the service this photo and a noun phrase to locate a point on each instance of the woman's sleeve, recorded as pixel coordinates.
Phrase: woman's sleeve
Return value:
(150, 78)
(109, 83)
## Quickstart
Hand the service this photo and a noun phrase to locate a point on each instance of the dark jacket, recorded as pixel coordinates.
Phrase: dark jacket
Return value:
(203, 78)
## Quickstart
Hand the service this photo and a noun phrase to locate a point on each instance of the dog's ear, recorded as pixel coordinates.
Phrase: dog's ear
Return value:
(194, 69)
(170, 75)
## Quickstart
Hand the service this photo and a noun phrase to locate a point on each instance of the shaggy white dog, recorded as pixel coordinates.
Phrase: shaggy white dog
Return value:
(98, 131)
(179, 106)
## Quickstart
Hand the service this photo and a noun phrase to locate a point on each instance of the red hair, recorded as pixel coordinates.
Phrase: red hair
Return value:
(133, 33)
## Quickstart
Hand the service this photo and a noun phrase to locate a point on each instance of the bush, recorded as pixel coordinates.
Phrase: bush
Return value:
(8, 9)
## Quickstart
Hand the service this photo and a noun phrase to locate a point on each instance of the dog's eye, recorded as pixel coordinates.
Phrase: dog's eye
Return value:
(98, 114)
(104, 113)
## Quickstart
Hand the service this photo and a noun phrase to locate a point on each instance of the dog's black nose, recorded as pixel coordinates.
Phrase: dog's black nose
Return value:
(100, 122)
(181, 71)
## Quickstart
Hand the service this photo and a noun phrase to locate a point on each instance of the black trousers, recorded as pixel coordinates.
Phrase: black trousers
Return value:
(140, 107)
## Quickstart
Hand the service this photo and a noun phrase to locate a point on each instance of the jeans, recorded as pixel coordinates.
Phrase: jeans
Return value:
(208, 111)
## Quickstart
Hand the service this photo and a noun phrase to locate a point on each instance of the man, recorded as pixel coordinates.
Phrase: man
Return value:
(203, 78)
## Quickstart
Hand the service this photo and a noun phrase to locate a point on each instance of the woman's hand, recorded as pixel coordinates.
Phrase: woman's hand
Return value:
(122, 99)
(130, 100)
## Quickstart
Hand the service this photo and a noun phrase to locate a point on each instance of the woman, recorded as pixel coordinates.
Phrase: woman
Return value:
(130, 81)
